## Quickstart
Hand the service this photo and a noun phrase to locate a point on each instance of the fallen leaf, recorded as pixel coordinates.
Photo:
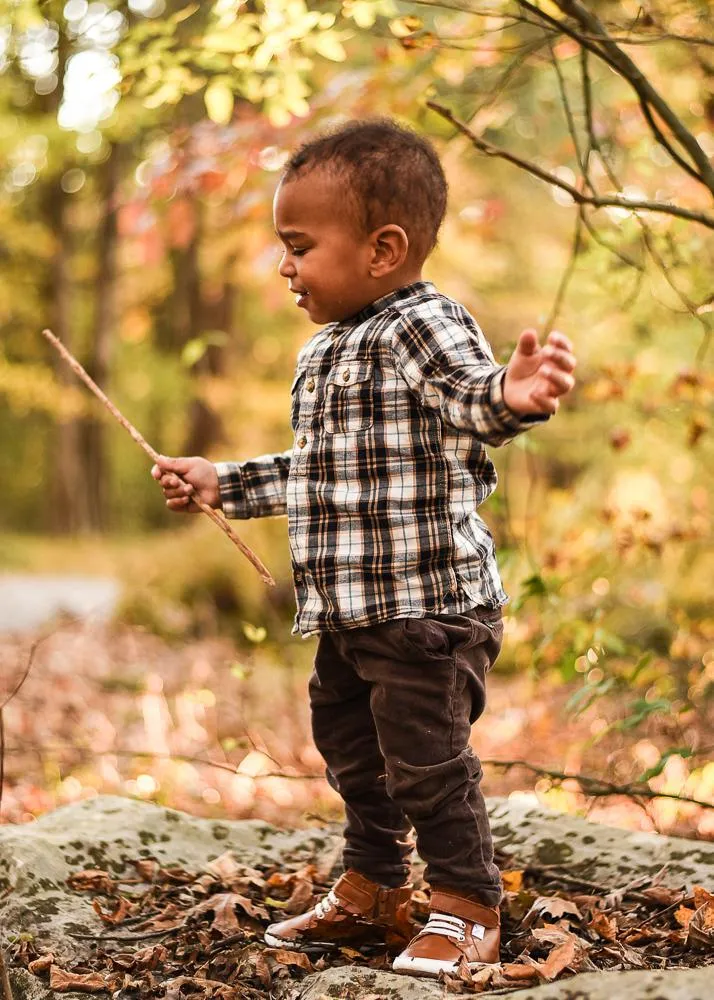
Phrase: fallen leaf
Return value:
(683, 915)
(197, 987)
(551, 906)
(297, 958)
(178, 875)
(151, 957)
(168, 920)
(147, 868)
(63, 982)
(701, 926)
(41, 964)
(257, 963)
(560, 958)
(117, 916)
(92, 880)
(515, 971)
(222, 905)
(702, 896)
(512, 880)
(604, 926)
(302, 894)
(350, 952)
(663, 895)
(224, 866)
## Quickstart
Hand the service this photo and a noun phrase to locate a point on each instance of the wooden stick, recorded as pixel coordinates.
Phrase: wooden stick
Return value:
(217, 518)
(5, 987)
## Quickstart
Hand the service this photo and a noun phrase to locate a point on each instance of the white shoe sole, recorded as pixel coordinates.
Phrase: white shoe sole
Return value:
(430, 966)
(276, 942)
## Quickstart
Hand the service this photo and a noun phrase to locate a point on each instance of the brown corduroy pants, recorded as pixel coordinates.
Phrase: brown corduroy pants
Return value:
(392, 708)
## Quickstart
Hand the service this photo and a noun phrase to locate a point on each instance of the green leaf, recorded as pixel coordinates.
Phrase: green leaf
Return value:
(653, 772)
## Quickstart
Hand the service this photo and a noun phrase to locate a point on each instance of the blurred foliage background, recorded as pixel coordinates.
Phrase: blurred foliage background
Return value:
(140, 145)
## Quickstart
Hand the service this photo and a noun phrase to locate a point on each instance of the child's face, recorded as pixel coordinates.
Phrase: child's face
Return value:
(325, 258)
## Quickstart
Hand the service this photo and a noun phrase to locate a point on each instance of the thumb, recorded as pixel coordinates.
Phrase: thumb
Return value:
(528, 342)
(178, 465)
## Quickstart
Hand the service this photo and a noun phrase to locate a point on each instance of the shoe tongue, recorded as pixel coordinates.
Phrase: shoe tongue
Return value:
(466, 909)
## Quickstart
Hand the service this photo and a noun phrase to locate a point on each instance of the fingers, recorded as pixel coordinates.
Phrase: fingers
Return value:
(528, 342)
(544, 403)
(561, 381)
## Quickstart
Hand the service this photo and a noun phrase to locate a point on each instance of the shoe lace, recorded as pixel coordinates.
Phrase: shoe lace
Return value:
(448, 926)
(326, 904)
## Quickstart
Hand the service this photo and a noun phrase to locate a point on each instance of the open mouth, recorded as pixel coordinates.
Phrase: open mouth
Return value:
(301, 298)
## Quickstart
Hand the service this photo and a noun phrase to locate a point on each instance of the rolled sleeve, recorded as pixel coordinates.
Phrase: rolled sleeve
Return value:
(256, 488)
(447, 362)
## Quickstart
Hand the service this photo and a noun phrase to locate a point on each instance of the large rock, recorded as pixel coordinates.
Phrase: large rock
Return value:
(674, 984)
(111, 832)
(599, 853)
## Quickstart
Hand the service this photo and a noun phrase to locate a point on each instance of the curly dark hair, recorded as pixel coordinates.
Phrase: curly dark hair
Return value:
(390, 174)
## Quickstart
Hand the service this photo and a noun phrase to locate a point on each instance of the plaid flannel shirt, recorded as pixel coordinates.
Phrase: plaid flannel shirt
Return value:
(391, 410)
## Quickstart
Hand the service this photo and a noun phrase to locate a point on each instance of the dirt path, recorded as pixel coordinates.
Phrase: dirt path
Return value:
(29, 601)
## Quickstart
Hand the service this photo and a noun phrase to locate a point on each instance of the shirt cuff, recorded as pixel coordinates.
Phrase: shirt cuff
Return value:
(232, 490)
(510, 422)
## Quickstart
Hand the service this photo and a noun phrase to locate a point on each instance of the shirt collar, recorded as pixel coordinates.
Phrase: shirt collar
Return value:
(387, 301)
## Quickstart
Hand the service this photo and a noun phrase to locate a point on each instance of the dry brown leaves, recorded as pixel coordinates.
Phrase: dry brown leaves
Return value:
(209, 930)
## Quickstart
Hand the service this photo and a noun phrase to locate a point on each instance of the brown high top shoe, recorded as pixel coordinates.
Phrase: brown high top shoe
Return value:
(354, 910)
(458, 929)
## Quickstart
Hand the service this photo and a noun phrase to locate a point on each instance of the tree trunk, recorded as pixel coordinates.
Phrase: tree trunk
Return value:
(101, 349)
(68, 495)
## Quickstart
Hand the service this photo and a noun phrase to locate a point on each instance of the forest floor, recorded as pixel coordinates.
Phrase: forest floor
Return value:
(219, 728)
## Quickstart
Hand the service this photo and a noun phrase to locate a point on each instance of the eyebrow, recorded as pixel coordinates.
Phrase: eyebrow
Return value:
(289, 234)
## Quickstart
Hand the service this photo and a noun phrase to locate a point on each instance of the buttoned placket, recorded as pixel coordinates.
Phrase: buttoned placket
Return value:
(307, 400)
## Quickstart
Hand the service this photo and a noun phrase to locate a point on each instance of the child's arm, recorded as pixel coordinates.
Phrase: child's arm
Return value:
(448, 364)
(241, 489)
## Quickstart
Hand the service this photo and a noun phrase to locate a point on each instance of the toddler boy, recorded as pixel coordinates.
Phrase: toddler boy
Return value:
(392, 404)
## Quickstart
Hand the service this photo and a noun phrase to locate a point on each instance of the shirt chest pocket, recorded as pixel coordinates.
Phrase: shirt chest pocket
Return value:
(349, 398)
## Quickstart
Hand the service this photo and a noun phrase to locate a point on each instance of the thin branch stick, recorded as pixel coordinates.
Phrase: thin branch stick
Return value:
(598, 787)
(629, 71)
(5, 988)
(599, 201)
(592, 786)
(217, 518)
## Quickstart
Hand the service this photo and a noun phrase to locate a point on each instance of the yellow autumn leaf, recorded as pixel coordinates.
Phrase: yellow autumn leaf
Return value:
(403, 26)
(219, 102)
(329, 46)
(512, 880)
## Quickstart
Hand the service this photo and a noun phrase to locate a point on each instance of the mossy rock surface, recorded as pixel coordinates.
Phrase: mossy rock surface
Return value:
(110, 833)
(672, 984)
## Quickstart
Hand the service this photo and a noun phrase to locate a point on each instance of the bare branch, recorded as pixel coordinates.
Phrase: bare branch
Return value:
(629, 71)
(599, 201)
(598, 787)
(567, 275)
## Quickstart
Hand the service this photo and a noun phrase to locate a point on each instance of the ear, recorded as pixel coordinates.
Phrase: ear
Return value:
(390, 246)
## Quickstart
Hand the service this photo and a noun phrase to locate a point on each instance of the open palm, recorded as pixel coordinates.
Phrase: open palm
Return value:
(536, 377)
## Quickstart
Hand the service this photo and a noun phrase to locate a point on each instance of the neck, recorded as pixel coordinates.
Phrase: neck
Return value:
(398, 280)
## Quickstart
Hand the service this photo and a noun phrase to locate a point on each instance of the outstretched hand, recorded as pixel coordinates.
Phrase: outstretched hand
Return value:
(536, 377)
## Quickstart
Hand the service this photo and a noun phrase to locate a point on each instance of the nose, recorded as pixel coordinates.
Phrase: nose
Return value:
(286, 268)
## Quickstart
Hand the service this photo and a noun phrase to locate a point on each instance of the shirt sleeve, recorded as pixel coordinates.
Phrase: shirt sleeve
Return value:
(448, 364)
(256, 488)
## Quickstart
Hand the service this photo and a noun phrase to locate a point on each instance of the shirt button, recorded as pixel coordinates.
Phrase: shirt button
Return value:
(346, 375)
(310, 385)
(302, 442)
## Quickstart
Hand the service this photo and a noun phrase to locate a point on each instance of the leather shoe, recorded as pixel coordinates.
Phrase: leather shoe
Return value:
(458, 930)
(355, 910)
